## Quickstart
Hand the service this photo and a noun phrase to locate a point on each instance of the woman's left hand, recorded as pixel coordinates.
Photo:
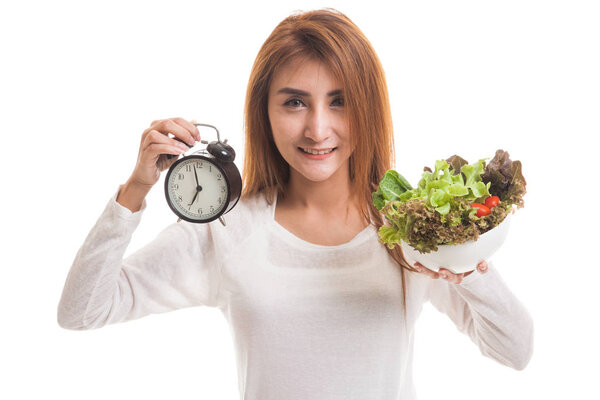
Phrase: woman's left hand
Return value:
(443, 273)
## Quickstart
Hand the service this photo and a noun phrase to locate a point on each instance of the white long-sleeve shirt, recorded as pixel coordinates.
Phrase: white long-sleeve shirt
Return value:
(308, 321)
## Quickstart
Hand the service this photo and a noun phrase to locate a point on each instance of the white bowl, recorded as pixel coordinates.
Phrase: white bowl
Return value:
(463, 257)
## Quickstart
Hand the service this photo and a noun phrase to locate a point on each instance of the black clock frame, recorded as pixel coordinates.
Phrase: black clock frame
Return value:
(228, 170)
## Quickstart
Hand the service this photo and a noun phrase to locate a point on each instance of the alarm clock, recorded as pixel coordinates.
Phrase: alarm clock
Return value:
(203, 186)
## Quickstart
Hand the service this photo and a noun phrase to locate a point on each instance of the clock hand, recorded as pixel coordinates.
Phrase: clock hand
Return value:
(196, 195)
(196, 175)
(198, 187)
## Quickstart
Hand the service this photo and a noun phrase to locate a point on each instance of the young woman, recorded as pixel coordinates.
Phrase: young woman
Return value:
(318, 307)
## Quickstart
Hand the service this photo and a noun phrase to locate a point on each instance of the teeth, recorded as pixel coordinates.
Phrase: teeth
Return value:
(316, 152)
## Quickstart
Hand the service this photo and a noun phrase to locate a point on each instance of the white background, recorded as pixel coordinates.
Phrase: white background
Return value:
(81, 81)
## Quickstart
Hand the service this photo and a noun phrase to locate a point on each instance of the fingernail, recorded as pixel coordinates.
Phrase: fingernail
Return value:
(443, 276)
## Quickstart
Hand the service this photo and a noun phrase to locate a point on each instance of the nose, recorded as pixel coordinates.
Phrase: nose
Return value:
(318, 124)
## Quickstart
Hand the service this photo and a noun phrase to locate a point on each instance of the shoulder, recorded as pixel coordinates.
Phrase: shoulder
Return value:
(248, 217)
(249, 208)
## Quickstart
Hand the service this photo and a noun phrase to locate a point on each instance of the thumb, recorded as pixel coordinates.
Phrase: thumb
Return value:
(164, 162)
(482, 267)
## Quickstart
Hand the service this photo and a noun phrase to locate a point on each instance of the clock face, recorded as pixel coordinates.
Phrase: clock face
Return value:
(197, 189)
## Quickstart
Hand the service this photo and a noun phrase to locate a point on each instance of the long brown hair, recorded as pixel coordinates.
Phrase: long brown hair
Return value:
(331, 37)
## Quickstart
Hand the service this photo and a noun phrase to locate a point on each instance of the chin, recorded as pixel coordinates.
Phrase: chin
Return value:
(316, 175)
(316, 179)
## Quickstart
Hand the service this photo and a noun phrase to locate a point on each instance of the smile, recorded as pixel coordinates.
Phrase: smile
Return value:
(316, 151)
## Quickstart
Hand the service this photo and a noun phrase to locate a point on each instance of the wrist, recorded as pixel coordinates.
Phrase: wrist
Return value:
(132, 195)
(134, 186)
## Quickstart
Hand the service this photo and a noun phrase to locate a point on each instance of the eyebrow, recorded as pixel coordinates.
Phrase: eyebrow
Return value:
(287, 90)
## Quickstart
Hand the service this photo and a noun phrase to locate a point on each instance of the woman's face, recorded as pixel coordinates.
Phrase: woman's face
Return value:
(307, 115)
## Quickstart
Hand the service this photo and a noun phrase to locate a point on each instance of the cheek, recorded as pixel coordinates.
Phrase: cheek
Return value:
(276, 129)
(280, 139)
(284, 127)
(275, 125)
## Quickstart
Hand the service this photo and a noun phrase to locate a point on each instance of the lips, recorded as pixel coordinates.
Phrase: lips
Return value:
(322, 151)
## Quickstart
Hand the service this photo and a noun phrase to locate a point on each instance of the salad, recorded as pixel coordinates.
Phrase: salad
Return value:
(453, 204)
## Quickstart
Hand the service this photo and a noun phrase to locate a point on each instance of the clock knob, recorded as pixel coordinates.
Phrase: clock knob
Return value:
(221, 151)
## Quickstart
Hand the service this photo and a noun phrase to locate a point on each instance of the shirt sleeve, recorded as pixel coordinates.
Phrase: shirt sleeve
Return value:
(177, 269)
(483, 307)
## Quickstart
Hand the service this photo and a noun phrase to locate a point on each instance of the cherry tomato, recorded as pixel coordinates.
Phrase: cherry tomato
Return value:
(481, 209)
(492, 201)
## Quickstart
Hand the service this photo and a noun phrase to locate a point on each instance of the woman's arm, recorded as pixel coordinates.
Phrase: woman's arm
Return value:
(177, 269)
(483, 307)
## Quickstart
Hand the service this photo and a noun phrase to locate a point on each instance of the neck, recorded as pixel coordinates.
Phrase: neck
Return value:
(328, 197)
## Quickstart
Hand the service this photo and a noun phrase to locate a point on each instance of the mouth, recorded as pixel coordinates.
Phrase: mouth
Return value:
(317, 151)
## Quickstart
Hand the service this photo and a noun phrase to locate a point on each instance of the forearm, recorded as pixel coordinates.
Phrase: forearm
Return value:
(485, 309)
(93, 278)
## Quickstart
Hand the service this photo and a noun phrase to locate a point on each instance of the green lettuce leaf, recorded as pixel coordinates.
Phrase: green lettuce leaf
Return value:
(391, 187)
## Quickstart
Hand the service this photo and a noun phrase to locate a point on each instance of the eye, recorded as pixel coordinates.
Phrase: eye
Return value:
(339, 101)
(294, 103)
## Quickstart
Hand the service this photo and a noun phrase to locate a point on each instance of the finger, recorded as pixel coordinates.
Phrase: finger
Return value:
(163, 162)
(450, 276)
(155, 137)
(167, 126)
(154, 151)
(193, 129)
(482, 267)
(423, 269)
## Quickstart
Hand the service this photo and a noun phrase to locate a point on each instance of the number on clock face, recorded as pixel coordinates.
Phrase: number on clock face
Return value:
(198, 199)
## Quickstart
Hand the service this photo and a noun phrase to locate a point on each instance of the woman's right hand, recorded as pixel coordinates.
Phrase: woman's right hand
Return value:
(156, 145)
